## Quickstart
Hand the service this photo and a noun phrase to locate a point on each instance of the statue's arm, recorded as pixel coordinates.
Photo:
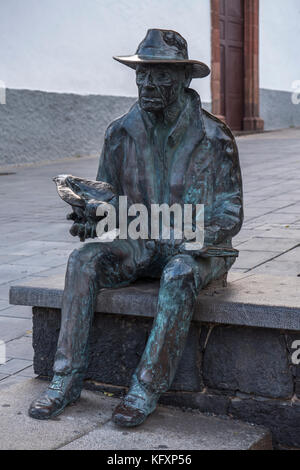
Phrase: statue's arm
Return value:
(227, 214)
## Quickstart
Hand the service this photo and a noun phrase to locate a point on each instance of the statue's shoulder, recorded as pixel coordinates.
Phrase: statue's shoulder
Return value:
(220, 136)
(217, 130)
(117, 128)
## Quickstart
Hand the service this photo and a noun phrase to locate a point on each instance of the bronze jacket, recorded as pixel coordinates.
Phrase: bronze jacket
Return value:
(196, 163)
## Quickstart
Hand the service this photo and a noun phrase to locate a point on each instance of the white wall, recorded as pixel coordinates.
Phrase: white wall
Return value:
(67, 45)
(279, 43)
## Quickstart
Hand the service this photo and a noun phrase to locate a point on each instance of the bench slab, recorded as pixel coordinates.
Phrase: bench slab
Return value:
(253, 300)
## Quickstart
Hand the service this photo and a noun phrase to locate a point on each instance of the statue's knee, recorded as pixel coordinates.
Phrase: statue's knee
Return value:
(178, 269)
(82, 257)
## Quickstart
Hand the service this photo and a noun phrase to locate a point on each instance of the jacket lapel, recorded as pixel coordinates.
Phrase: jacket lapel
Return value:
(183, 139)
(188, 139)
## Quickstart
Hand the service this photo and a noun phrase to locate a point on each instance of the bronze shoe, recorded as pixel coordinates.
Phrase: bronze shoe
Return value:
(62, 391)
(127, 416)
(133, 410)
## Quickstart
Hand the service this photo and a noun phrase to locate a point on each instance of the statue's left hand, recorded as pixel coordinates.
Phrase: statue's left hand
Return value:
(85, 221)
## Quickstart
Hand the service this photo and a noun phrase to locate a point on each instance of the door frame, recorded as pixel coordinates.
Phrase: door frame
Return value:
(251, 119)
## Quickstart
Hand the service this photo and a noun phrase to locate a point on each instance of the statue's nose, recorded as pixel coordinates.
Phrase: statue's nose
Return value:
(149, 81)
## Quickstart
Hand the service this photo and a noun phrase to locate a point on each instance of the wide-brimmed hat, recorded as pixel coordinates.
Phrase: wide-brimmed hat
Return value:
(163, 46)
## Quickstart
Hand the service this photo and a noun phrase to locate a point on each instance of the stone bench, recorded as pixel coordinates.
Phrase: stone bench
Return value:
(237, 360)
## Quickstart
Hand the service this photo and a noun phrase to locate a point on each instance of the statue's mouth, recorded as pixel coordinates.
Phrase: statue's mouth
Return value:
(150, 99)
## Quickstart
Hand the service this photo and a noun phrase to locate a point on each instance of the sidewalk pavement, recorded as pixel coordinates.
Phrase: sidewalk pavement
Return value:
(87, 425)
(35, 240)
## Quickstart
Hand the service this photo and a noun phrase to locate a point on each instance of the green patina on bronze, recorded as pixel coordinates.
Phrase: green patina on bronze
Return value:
(166, 149)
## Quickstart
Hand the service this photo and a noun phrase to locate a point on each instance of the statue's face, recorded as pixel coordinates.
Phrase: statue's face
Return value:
(159, 85)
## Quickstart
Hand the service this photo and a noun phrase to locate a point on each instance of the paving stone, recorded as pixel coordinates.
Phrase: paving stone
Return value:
(172, 429)
(268, 244)
(7, 259)
(4, 290)
(279, 268)
(4, 305)
(17, 311)
(33, 247)
(166, 428)
(280, 218)
(11, 328)
(20, 348)
(12, 380)
(280, 232)
(291, 209)
(9, 272)
(3, 376)
(28, 372)
(256, 211)
(13, 366)
(292, 255)
(45, 261)
(250, 259)
(23, 432)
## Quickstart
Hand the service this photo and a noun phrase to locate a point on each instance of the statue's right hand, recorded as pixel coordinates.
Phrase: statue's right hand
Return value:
(83, 230)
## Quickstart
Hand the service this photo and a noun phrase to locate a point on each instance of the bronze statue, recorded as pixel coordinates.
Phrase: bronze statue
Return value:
(166, 149)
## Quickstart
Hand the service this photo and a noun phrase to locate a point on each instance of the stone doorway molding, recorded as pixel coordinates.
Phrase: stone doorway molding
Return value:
(251, 119)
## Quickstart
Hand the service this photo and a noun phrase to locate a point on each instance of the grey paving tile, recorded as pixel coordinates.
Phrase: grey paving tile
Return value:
(250, 259)
(292, 209)
(279, 268)
(43, 261)
(17, 311)
(12, 380)
(3, 304)
(32, 247)
(12, 328)
(4, 290)
(3, 376)
(20, 348)
(288, 198)
(280, 218)
(257, 211)
(28, 372)
(171, 429)
(12, 272)
(13, 366)
(268, 244)
(60, 270)
(7, 259)
(280, 232)
(293, 255)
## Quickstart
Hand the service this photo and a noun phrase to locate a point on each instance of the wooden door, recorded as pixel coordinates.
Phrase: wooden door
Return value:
(232, 62)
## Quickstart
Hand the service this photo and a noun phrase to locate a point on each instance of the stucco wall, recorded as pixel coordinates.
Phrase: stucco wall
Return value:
(279, 44)
(67, 45)
(279, 62)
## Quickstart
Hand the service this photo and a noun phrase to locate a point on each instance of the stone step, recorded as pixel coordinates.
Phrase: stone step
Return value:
(87, 425)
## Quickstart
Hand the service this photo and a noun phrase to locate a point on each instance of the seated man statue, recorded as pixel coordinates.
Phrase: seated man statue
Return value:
(165, 150)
